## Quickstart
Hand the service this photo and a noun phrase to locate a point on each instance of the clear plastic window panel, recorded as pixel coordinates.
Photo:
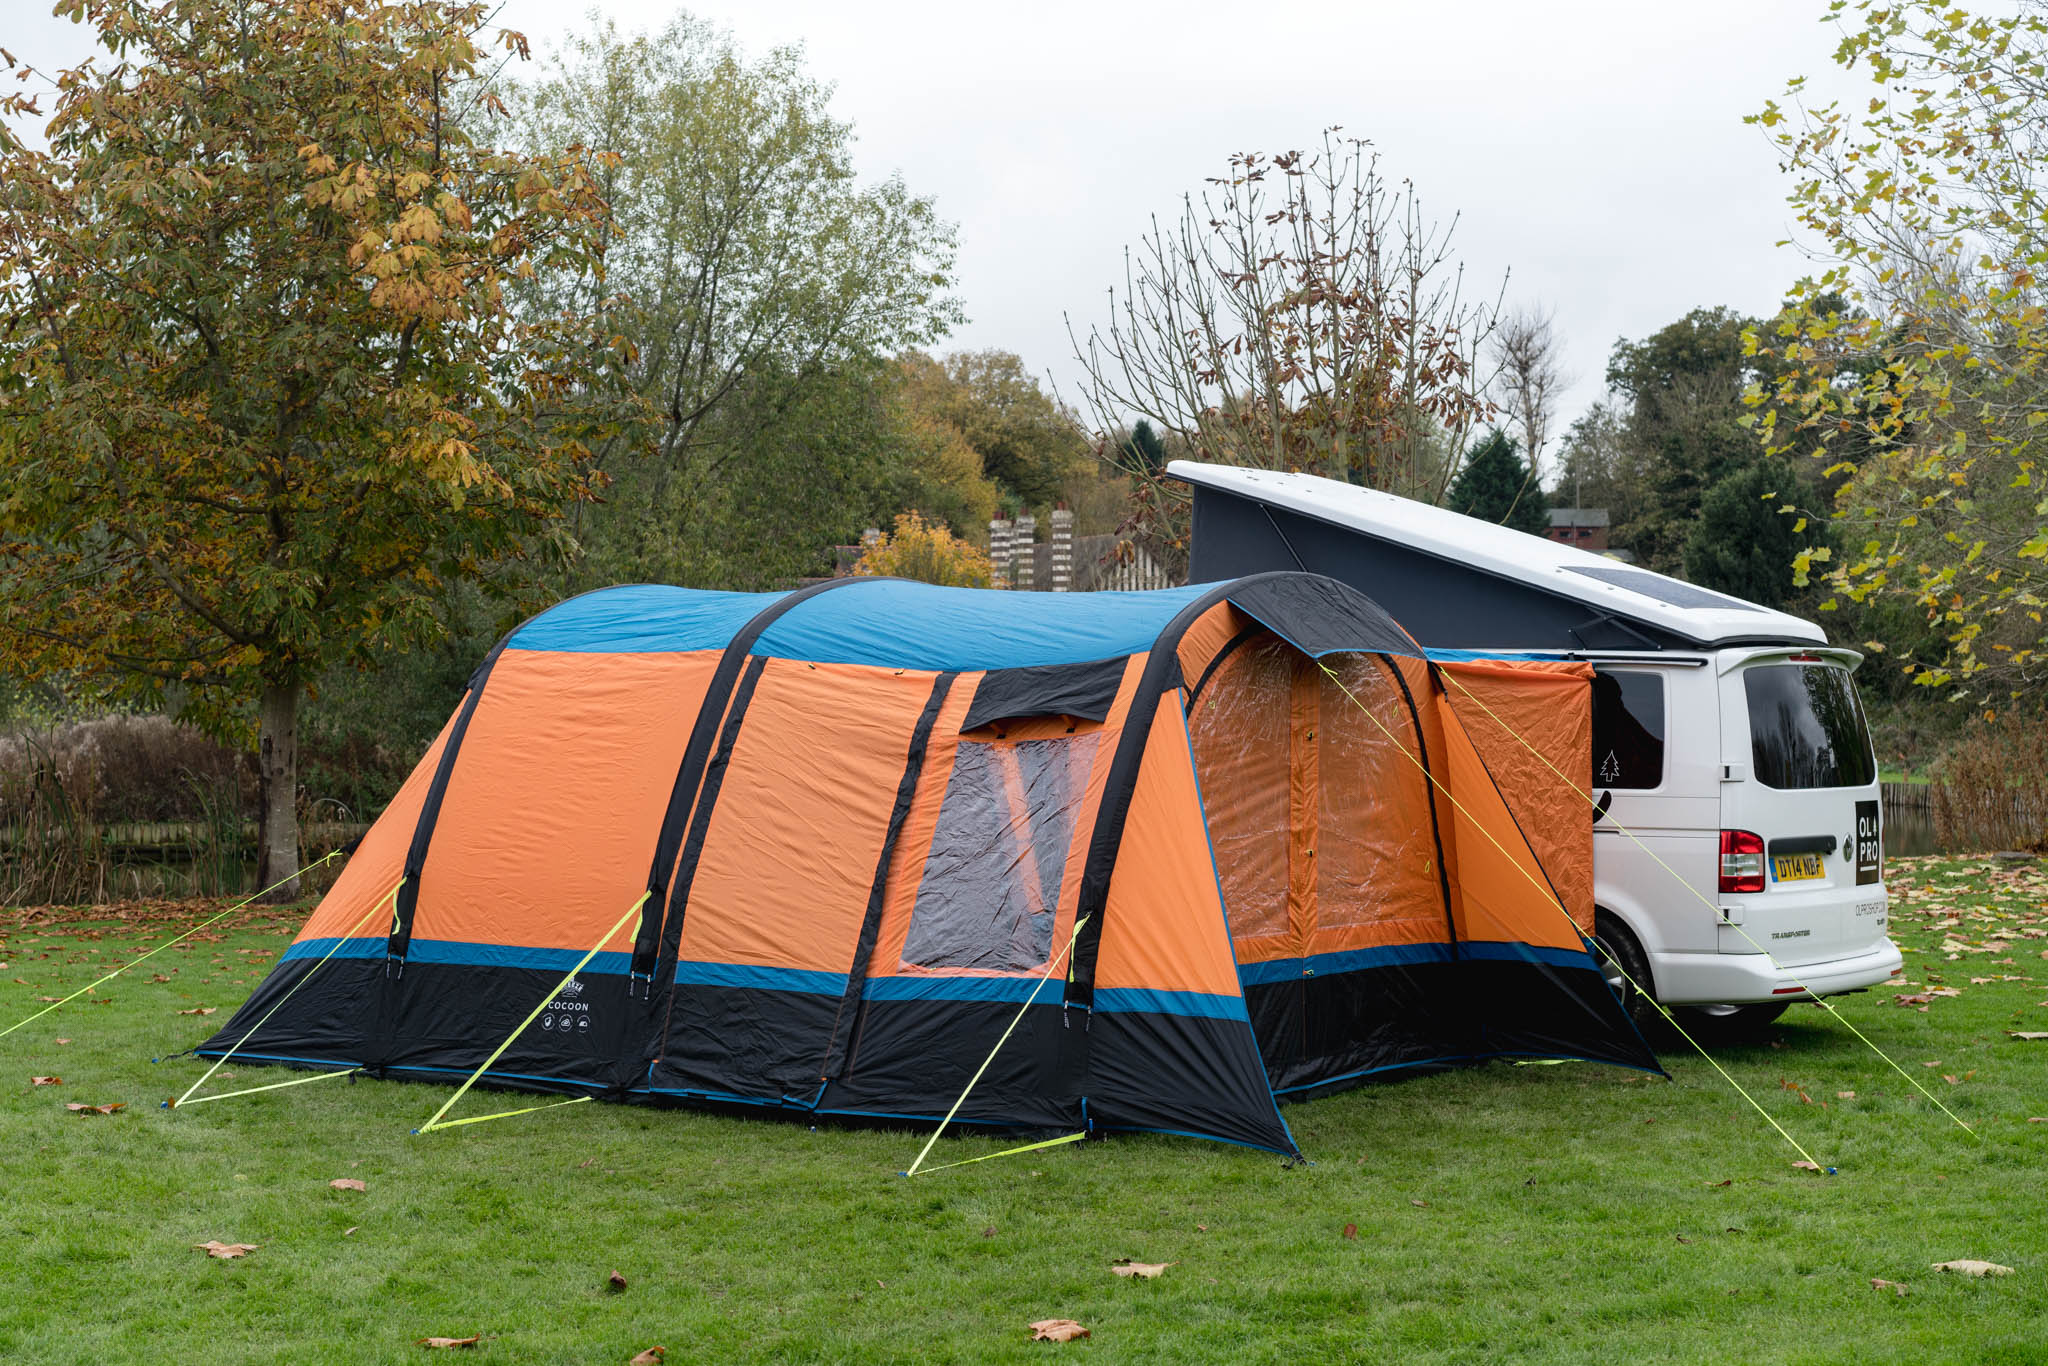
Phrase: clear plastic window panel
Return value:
(991, 885)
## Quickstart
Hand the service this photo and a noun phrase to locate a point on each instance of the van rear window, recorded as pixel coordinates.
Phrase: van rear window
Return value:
(1628, 729)
(1806, 727)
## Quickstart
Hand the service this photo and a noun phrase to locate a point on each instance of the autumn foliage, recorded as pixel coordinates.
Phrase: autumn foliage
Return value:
(262, 394)
(926, 551)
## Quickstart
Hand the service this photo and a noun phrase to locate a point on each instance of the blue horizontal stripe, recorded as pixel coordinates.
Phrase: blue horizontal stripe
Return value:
(1497, 951)
(273, 1057)
(1456, 656)
(1017, 989)
(494, 1072)
(1202, 1004)
(352, 948)
(1351, 960)
(1405, 955)
(760, 978)
(460, 954)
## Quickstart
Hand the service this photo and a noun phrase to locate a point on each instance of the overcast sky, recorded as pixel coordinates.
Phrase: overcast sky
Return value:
(1594, 148)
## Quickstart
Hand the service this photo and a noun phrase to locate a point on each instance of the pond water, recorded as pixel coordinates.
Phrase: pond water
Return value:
(1909, 830)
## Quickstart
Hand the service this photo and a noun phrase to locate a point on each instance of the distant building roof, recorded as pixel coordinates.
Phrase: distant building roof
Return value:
(1578, 516)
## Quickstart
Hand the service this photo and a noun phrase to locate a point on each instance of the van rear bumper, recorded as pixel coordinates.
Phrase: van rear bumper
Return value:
(1742, 978)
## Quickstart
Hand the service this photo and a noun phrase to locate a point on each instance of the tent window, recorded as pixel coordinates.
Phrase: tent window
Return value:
(991, 883)
(1240, 731)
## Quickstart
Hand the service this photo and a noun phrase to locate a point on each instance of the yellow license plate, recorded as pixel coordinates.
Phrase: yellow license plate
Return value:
(1797, 867)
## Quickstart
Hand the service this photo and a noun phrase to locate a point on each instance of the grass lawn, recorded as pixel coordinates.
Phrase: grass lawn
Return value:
(1557, 1213)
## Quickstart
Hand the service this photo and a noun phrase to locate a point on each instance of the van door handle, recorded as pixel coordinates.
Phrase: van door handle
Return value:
(1600, 807)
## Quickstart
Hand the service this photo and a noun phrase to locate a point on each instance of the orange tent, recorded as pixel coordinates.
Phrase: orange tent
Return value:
(1231, 842)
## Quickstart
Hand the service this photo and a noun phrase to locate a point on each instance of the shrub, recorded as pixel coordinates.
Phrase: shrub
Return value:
(1991, 785)
(926, 551)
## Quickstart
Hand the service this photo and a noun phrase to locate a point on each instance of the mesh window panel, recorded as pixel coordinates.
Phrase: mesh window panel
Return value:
(1240, 735)
(991, 883)
(1375, 857)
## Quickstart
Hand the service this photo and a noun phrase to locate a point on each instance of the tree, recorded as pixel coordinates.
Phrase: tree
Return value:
(1682, 390)
(927, 552)
(1301, 313)
(762, 288)
(1750, 529)
(261, 392)
(1928, 390)
(1030, 446)
(1496, 486)
(1141, 449)
(1530, 376)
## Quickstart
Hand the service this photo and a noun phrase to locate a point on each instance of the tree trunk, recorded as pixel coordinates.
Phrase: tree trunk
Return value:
(277, 754)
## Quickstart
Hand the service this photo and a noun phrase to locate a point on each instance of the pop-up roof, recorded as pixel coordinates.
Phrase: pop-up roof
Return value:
(1455, 581)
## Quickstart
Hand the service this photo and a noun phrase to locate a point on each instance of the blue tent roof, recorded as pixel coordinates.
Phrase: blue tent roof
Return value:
(886, 623)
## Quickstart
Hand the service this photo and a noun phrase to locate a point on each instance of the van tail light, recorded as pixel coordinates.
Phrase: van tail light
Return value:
(1742, 862)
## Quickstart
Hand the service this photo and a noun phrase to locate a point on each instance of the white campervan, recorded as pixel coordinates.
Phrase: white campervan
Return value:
(1738, 837)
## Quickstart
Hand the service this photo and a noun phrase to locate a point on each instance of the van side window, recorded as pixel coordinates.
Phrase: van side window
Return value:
(1628, 729)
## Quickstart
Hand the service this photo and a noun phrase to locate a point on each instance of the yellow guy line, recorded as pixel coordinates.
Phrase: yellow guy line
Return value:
(435, 1123)
(1550, 898)
(1007, 1152)
(1050, 969)
(252, 1031)
(1821, 1001)
(169, 942)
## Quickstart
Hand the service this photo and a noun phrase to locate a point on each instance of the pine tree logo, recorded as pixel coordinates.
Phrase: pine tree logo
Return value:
(1610, 769)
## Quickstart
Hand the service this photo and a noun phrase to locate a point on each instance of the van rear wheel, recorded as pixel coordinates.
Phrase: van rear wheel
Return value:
(1626, 968)
(1729, 1024)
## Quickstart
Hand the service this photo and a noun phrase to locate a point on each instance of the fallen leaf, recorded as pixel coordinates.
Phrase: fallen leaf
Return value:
(1914, 1000)
(470, 1341)
(651, 1357)
(1969, 1266)
(1845, 1095)
(200, 1010)
(1805, 1166)
(63, 1041)
(616, 1282)
(1124, 1266)
(1057, 1330)
(46, 1081)
(2027, 1034)
(1683, 1239)
(77, 1109)
(1879, 1283)
(1350, 1230)
(350, 1229)
(1718, 1184)
(1420, 1204)
(347, 1183)
(1201, 1228)
(989, 1232)
(226, 1251)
